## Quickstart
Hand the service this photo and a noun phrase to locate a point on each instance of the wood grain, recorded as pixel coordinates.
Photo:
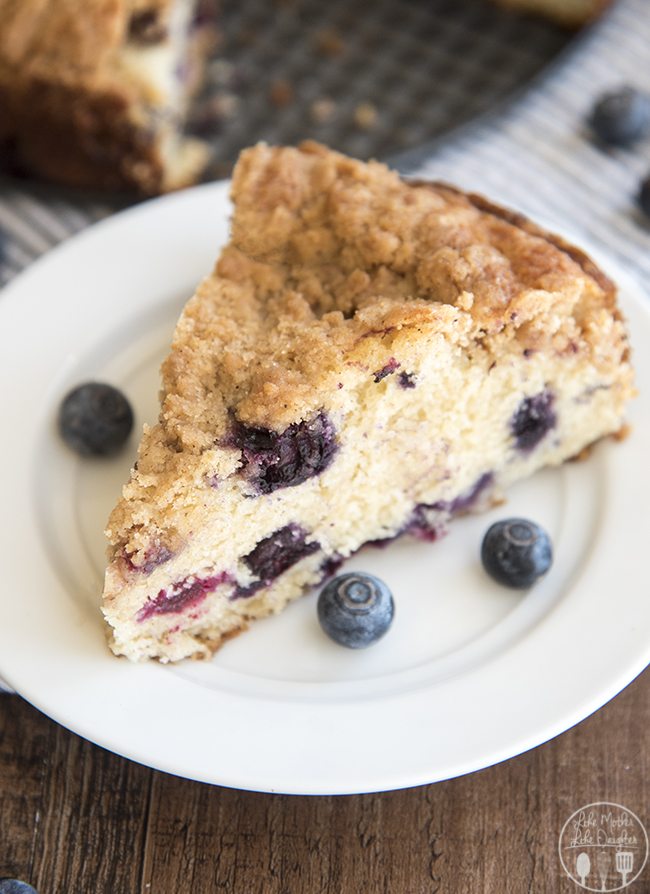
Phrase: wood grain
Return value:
(76, 818)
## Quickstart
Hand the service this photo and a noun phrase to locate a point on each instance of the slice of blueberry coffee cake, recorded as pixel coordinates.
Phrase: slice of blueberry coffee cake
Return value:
(369, 358)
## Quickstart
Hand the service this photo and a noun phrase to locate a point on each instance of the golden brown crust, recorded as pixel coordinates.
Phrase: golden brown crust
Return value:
(524, 223)
(333, 261)
(623, 432)
(213, 643)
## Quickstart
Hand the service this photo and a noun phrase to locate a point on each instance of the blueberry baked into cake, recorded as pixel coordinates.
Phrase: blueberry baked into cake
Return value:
(94, 93)
(369, 358)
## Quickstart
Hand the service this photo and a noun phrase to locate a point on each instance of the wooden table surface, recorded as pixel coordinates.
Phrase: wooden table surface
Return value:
(79, 820)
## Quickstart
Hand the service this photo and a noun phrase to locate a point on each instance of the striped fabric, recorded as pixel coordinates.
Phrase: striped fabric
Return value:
(30, 225)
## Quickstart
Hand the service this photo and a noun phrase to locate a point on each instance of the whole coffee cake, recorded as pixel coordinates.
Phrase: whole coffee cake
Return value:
(369, 358)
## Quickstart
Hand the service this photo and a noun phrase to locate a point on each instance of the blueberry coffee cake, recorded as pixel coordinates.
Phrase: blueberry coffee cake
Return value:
(369, 358)
(95, 93)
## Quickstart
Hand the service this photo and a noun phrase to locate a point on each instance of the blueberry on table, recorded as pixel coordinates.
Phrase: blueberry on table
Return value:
(516, 552)
(95, 419)
(355, 610)
(621, 117)
(15, 886)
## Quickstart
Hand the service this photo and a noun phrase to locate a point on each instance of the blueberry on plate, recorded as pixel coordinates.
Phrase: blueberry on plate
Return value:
(516, 552)
(15, 886)
(95, 419)
(621, 117)
(355, 610)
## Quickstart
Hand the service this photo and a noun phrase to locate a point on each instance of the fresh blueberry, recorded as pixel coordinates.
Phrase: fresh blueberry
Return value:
(621, 117)
(355, 609)
(516, 552)
(95, 419)
(15, 886)
(644, 196)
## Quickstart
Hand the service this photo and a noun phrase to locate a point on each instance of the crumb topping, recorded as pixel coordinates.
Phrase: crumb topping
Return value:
(334, 262)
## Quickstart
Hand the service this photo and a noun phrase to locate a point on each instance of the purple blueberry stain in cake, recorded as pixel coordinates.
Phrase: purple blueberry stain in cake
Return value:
(182, 596)
(586, 395)
(534, 418)
(156, 555)
(428, 520)
(426, 523)
(275, 460)
(245, 592)
(386, 370)
(330, 566)
(383, 542)
(273, 556)
(406, 380)
(463, 502)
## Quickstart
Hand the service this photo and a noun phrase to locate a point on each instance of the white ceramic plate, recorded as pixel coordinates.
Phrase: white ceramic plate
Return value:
(469, 674)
